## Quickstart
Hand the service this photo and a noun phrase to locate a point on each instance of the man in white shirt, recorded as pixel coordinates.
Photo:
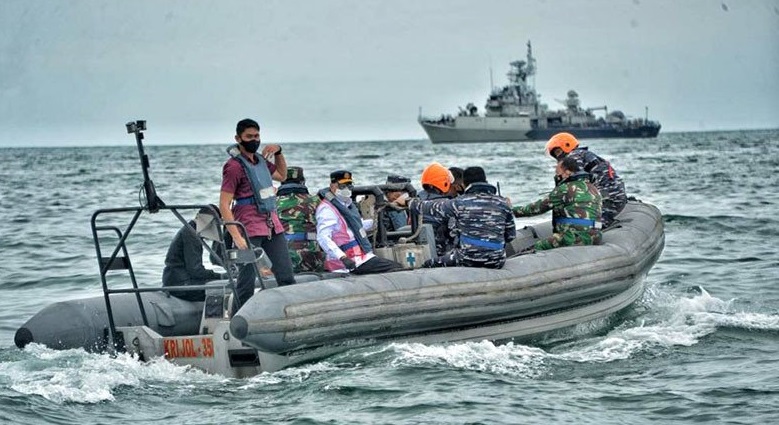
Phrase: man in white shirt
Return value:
(342, 233)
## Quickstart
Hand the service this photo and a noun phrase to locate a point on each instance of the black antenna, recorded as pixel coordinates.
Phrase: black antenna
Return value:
(153, 202)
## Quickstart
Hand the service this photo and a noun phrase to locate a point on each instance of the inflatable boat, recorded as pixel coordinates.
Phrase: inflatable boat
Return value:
(327, 313)
(284, 326)
(530, 294)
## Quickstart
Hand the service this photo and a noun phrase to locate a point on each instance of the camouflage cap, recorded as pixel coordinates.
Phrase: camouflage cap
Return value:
(295, 175)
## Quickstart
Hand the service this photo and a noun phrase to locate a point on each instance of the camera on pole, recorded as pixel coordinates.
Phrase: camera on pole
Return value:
(153, 202)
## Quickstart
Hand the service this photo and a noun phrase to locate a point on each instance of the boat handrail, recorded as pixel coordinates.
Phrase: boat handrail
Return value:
(116, 262)
(154, 205)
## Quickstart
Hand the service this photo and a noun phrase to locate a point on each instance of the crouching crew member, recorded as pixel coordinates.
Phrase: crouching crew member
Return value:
(483, 221)
(341, 232)
(297, 210)
(184, 260)
(602, 174)
(575, 205)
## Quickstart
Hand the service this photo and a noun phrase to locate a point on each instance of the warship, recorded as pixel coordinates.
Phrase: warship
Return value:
(514, 113)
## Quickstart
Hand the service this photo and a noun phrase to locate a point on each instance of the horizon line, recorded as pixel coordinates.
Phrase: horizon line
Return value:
(166, 144)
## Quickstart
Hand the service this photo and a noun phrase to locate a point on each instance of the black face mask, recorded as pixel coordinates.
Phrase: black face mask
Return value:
(251, 146)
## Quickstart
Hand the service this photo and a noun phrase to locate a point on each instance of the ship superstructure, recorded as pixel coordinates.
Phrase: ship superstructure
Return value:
(514, 113)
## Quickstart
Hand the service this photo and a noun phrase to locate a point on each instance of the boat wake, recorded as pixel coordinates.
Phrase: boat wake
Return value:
(658, 323)
(76, 376)
(669, 322)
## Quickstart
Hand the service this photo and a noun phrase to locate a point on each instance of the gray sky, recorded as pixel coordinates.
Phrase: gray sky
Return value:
(73, 72)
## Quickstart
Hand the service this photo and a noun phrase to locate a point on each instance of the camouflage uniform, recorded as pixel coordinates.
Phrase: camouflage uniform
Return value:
(605, 178)
(297, 211)
(483, 226)
(440, 215)
(573, 198)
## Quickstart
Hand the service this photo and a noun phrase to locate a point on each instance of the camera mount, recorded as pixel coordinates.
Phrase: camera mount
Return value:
(153, 202)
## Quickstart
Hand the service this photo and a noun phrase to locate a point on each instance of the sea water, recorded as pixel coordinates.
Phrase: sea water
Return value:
(701, 345)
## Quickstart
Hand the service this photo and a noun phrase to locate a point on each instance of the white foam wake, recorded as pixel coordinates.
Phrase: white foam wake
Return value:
(668, 322)
(81, 377)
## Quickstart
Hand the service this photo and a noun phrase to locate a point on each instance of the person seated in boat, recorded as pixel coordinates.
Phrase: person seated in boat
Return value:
(483, 223)
(297, 210)
(576, 208)
(342, 233)
(458, 187)
(438, 182)
(247, 195)
(184, 260)
(437, 186)
(395, 219)
(602, 174)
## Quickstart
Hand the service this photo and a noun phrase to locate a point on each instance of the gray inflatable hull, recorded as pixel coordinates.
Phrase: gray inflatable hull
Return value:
(84, 323)
(531, 294)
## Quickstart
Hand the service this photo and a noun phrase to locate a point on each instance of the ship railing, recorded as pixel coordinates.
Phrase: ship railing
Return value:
(441, 120)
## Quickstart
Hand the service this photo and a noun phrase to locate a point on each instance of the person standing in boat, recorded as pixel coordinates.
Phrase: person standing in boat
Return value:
(602, 174)
(247, 180)
(395, 219)
(297, 210)
(483, 223)
(184, 260)
(342, 233)
(576, 208)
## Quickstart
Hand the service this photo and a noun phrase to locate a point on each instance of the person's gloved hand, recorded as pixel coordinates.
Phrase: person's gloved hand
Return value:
(349, 263)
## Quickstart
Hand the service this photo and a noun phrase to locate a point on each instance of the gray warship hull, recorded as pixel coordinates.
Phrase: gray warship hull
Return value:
(443, 133)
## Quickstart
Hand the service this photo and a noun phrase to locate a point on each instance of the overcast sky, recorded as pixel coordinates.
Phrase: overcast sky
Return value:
(73, 72)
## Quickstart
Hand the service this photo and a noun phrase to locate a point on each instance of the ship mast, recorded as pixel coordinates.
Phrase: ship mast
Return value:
(531, 69)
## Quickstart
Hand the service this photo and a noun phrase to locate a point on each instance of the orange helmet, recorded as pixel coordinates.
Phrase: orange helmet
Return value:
(438, 176)
(565, 141)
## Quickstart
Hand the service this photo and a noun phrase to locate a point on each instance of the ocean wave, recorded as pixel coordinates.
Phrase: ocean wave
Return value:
(76, 376)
